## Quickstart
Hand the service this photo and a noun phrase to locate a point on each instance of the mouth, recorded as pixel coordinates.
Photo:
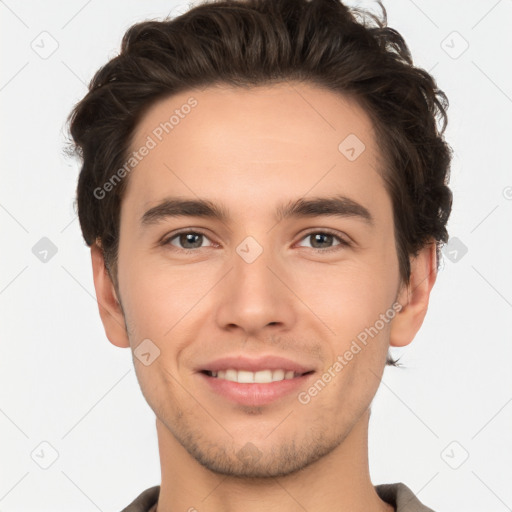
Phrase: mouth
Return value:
(254, 381)
(259, 388)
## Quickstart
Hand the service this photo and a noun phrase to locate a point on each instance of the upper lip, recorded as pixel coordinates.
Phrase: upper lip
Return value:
(240, 362)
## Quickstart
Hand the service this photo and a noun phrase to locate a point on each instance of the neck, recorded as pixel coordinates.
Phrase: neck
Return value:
(339, 481)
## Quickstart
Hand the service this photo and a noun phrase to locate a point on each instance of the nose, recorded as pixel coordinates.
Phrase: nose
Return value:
(255, 295)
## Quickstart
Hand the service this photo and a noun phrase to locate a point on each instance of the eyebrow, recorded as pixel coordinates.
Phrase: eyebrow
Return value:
(335, 206)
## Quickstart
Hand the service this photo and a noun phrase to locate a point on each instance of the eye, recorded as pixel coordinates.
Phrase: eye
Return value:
(322, 241)
(187, 240)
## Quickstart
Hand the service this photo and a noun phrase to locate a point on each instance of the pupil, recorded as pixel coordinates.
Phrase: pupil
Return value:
(188, 237)
(321, 235)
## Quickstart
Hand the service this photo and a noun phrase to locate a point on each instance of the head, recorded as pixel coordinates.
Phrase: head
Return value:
(257, 107)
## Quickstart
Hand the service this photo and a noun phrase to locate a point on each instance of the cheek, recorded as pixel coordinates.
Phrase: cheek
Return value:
(160, 300)
(349, 297)
(374, 288)
(351, 301)
(148, 300)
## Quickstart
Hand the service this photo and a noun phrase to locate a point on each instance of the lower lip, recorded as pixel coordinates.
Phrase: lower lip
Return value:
(254, 393)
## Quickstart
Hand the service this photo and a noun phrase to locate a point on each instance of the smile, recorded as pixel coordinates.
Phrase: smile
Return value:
(259, 377)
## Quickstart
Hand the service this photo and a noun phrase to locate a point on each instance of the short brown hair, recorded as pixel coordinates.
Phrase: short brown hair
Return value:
(247, 43)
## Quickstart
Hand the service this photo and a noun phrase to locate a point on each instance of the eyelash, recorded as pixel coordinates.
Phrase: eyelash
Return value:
(342, 242)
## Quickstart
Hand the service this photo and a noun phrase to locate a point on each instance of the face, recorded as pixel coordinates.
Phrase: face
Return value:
(299, 269)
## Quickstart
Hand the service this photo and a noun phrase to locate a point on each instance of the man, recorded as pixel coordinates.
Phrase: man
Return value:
(264, 191)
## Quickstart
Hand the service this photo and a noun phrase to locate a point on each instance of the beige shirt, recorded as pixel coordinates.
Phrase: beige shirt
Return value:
(398, 495)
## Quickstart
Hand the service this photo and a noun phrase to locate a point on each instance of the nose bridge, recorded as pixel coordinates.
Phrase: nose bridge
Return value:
(252, 278)
(253, 296)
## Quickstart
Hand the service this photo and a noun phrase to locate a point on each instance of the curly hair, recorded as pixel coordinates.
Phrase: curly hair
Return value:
(246, 43)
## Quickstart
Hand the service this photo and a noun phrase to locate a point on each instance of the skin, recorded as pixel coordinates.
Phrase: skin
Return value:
(250, 151)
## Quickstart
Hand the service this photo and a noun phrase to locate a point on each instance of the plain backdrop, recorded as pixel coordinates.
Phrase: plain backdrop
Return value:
(75, 430)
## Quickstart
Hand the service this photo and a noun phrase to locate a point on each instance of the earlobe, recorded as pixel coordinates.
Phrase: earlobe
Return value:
(110, 310)
(414, 297)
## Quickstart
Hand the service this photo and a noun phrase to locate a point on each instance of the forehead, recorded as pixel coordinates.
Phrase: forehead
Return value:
(254, 141)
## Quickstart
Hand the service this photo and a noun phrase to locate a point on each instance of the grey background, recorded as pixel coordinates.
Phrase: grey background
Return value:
(75, 431)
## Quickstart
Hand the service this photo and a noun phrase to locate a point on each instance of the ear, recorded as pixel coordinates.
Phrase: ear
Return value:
(110, 309)
(414, 297)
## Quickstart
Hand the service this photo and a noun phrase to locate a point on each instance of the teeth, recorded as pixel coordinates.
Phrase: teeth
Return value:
(230, 374)
(243, 376)
(260, 377)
